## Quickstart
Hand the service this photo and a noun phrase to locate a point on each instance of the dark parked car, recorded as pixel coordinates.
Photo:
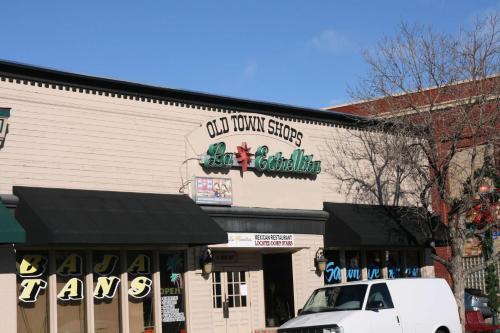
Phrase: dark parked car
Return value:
(476, 300)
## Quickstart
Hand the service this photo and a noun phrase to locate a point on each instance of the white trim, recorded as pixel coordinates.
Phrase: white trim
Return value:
(89, 293)
(157, 292)
(125, 315)
(52, 279)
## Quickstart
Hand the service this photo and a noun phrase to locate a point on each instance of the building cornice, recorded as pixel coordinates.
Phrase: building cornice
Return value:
(56, 79)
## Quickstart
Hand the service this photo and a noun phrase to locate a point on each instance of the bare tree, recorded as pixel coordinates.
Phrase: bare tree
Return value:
(435, 99)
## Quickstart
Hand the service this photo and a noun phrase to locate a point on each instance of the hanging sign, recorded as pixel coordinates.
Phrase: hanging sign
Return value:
(262, 161)
(213, 191)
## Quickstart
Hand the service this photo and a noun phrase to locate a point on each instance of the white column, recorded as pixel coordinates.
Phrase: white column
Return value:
(124, 293)
(52, 293)
(89, 292)
(157, 292)
(364, 270)
(343, 269)
(8, 289)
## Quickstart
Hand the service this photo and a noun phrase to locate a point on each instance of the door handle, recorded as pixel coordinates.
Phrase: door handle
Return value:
(397, 318)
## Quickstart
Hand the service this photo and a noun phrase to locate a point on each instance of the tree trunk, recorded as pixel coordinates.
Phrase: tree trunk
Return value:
(458, 275)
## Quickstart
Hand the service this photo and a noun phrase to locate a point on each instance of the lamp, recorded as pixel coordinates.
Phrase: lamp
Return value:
(320, 260)
(206, 262)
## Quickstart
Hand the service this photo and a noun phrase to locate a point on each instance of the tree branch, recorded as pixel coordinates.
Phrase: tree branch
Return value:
(483, 266)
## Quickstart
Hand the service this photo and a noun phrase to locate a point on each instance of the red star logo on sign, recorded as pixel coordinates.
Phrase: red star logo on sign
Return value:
(243, 156)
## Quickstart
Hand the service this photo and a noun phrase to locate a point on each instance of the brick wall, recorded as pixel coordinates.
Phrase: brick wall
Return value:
(439, 269)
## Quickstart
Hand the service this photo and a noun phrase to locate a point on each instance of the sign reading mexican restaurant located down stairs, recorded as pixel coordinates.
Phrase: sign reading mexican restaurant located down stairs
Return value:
(260, 240)
(261, 161)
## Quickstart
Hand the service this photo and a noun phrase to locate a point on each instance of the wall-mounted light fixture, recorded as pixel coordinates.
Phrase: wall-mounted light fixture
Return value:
(4, 116)
(320, 261)
(206, 261)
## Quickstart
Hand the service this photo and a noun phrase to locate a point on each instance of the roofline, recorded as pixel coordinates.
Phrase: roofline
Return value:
(23, 71)
(374, 99)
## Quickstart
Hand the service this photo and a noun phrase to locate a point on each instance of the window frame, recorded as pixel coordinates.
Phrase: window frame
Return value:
(382, 284)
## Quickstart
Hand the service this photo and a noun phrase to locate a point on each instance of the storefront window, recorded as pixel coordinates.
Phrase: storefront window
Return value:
(106, 277)
(71, 271)
(412, 264)
(353, 264)
(394, 265)
(140, 292)
(172, 292)
(374, 264)
(32, 292)
(333, 268)
(70, 278)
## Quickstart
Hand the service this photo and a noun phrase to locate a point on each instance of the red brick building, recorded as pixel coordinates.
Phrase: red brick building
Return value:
(443, 104)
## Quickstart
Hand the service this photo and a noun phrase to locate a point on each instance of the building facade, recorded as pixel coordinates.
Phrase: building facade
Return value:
(133, 208)
(445, 105)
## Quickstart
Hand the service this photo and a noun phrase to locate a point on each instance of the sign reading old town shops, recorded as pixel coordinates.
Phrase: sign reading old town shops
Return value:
(242, 124)
(298, 162)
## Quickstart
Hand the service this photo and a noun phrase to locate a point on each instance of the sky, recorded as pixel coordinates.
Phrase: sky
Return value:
(304, 53)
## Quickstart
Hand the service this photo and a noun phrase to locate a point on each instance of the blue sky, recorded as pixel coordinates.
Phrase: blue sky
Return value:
(294, 52)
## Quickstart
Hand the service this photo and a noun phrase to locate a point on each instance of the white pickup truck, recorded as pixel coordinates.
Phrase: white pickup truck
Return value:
(414, 305)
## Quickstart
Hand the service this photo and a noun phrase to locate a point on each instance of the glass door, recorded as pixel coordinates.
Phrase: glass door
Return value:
(231, 301)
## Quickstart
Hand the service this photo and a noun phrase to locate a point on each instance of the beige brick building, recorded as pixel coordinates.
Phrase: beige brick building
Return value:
(123, 192)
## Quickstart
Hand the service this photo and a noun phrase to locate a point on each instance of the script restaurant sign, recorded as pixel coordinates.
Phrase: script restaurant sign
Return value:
(264, 160)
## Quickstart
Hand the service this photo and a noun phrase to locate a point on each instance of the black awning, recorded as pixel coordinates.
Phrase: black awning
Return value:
(64, 216)
(268, 220)
(353, 225)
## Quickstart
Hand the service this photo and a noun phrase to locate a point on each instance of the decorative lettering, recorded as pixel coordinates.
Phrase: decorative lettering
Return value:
(332, 272)
(71, 266)
(256, 124)
(72, 290)
(412, 271)
(106, 287)
(140, 265)
(217, 156)
(374, 272)
(140, 287)
(30, 289)
(297, 163)
(393, 272)
(32, 265)
(353, 273)
(107, 265)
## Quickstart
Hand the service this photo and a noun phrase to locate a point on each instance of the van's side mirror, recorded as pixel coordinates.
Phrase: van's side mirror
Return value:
(375, 305)
(299, 311)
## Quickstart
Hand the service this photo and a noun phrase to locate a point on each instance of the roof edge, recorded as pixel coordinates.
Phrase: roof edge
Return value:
(23, 71)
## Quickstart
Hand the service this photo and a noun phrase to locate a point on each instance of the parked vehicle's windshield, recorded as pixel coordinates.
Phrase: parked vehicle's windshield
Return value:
(340, 298)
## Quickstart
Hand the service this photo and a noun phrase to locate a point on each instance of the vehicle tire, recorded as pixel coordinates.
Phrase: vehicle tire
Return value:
(441, 331)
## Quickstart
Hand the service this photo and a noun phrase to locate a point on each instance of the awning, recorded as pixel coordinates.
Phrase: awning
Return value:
(10, 230)
(268, 220)
(354, 225)
(64, 216)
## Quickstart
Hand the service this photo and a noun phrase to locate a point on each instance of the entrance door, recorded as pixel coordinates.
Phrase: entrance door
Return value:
(278, 288)
(231, 301)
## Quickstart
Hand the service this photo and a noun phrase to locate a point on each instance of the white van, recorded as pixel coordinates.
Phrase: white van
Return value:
(416, 305)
